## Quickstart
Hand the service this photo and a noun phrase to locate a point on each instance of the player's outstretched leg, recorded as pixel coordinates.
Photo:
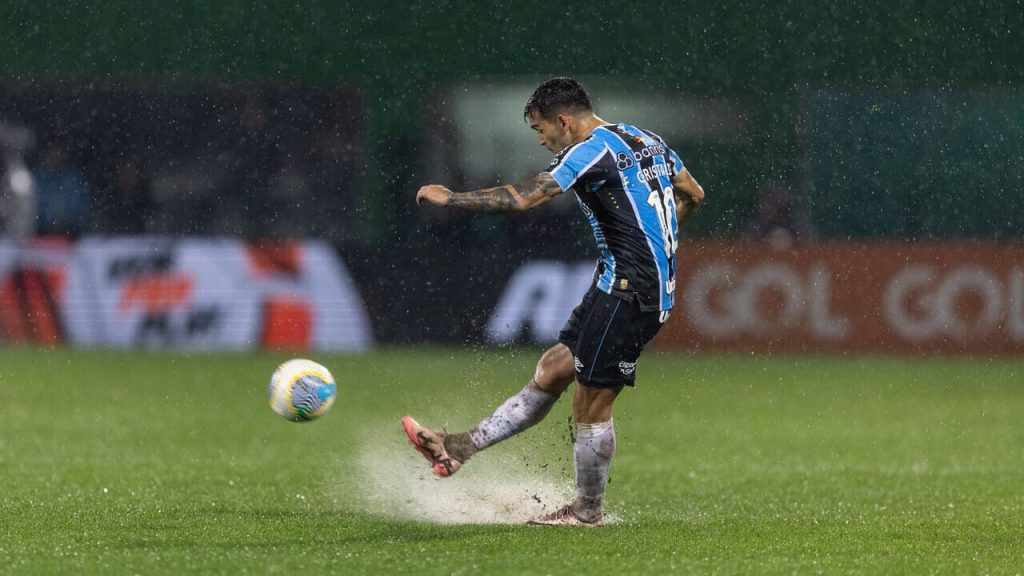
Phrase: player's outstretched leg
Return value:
(519, 412)
(447, 452)
(431, 445)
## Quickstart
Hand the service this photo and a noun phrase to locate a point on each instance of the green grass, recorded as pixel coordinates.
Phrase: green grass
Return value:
(133, 463)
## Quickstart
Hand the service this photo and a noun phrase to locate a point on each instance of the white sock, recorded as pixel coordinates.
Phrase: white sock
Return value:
(524, 409)
(592, 454)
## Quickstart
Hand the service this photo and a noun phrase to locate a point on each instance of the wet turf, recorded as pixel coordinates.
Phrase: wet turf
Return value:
(167, 463)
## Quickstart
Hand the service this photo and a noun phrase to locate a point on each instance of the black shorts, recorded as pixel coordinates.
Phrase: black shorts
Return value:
(606, 334)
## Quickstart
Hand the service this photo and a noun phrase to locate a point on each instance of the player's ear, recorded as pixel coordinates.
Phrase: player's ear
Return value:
(565, 121)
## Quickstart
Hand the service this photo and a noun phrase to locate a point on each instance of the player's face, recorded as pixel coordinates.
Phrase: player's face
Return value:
(551, 135)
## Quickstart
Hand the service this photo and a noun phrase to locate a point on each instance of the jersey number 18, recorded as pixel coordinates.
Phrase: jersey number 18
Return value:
(664, 206)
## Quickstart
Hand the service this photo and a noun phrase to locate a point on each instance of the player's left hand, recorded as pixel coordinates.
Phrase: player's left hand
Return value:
(433, 193)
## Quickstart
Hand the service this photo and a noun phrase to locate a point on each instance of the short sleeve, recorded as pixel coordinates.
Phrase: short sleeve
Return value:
(677, 162)
(576, 162)
(672, 157)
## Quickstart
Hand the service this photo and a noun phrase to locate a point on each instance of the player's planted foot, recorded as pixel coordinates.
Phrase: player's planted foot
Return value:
(431, 445)
(567, 516)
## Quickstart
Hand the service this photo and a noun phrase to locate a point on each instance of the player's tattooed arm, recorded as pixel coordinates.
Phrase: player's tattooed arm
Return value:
(507, 198)
(689, 195)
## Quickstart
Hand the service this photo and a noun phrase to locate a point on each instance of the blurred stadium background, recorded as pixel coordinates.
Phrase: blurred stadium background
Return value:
(852, 126)
(237, 179)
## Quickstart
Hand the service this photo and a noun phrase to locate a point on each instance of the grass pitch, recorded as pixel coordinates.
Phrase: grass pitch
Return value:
(155, 463)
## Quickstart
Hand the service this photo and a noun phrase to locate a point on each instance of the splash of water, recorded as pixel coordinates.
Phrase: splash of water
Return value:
(387, 478)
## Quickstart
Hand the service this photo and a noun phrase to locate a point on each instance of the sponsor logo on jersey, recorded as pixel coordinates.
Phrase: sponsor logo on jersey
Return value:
(624, 160)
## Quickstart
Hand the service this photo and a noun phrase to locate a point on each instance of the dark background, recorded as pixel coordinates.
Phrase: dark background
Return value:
(894, 120)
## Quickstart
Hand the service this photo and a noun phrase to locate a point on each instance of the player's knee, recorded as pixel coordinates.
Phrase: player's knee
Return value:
(555, 370)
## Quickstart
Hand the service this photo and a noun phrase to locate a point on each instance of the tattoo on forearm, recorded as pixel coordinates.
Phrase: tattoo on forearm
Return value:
(538, 189)
(509, 197)
(499, 199)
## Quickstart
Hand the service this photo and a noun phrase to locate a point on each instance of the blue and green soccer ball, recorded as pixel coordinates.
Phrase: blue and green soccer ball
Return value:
(301, 390)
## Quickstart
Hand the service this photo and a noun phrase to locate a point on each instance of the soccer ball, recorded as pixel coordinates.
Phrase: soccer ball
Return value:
(301, 390)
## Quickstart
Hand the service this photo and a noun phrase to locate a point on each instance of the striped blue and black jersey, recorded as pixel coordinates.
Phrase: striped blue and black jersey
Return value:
(622, 177)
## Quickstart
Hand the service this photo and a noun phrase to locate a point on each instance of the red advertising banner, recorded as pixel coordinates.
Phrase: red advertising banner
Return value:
(963, 297)
(33, 276)
(180, 293)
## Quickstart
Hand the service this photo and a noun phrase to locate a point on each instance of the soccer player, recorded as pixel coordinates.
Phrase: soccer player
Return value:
(634, 190)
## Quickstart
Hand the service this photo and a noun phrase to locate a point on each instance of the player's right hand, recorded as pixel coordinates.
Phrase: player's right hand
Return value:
(433, 193)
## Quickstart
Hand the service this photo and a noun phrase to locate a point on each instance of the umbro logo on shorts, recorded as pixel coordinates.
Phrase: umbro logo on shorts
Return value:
(579, 365)
(627, 368)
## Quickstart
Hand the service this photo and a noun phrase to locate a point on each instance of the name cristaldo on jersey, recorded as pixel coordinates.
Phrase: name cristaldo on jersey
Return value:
(654, 171)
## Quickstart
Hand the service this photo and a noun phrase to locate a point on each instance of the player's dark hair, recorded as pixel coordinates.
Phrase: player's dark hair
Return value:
(558, 95)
